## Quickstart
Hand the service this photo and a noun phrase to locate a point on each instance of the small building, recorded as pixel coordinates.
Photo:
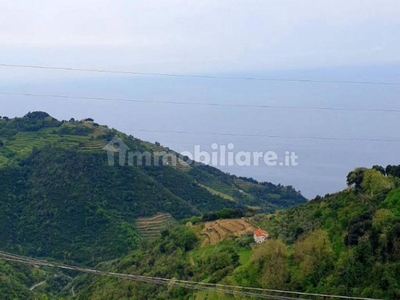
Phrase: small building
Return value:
(260, 236)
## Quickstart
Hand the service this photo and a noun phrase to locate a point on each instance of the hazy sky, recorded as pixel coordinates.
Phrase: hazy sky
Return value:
(307, 39)
(206, 35)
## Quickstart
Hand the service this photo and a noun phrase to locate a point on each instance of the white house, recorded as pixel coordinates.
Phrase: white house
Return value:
(260, 236)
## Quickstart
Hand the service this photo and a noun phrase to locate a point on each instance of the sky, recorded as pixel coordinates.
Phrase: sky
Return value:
(354, 40)
(200, 36)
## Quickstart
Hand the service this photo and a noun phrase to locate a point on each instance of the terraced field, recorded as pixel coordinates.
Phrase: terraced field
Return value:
(22, 143)
(151, 227)
(93, 145)
(217, 231)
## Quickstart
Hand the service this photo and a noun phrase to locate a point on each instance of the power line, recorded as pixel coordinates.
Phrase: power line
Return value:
(171, 282)
(138, 278)
(215, 104)
(216, 133)
(267, 135)
(197, 76)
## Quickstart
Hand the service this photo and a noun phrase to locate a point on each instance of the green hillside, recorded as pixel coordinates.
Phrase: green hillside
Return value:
(342, 244)
(19, 281)
(62, 201)
(60, 198)
(15, 281)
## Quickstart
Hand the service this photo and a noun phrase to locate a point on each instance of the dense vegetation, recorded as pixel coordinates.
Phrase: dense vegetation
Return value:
(345, 244)
(19, 281)
(259, 195)
(15, 281)
(61, 200)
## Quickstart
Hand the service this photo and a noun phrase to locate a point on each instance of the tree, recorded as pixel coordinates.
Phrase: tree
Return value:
(356, 177)
(357, 228)
(393, 170)
(314, 255)
(380, 169)
(383, 220)
(271, 259)
(37, 115)
(392, 202)
(374, 182)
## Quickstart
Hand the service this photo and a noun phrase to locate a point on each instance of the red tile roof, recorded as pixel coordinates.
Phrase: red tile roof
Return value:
(260, 232)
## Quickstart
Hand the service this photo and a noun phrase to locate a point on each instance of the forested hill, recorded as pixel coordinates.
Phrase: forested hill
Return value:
(61, 199)
(344, 244)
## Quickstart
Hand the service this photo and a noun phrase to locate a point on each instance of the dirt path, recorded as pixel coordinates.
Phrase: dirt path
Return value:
(37, 285)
